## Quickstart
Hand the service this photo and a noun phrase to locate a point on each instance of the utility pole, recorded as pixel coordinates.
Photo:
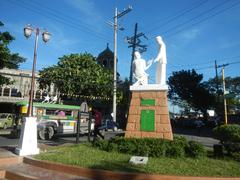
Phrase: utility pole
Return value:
(134, 42)
(133, 50)
(115, 26)
(224, 99)
(216, 78)
(224, 93)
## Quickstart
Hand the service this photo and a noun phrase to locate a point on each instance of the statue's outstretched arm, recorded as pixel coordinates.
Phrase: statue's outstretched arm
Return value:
(149, 63)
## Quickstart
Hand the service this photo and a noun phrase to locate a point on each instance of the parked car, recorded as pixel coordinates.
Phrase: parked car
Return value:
(6, 120)
(108, 124)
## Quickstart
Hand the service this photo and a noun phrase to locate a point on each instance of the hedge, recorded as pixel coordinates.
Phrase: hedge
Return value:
(153, 147)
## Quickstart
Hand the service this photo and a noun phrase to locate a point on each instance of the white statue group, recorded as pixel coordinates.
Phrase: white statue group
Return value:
(140, 66)
(51, 100)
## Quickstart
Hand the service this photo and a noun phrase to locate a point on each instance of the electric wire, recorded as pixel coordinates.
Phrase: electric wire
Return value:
(177, 16)
(55, 18)
(60, 15)
(203, 20)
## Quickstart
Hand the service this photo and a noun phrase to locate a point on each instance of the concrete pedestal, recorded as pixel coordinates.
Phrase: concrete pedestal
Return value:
(28, 139)
(148, 113)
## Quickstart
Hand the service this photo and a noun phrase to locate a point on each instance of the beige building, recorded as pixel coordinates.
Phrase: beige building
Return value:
(20, 88)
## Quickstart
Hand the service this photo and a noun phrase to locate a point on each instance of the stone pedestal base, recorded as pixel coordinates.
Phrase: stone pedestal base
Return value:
(28, 139)
(148, 115)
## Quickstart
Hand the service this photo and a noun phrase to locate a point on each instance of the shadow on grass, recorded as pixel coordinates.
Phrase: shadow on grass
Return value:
(120, 167)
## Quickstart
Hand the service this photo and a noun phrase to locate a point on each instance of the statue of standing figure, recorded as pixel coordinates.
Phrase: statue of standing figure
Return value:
(140, 66)
(161, 61)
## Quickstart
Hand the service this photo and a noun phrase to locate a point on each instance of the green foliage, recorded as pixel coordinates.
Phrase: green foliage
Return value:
(195, 149)
(186, 86)
(229, 136)
(78, 74)
(84, 155)
(236, 156)
(8, 59)
(103, 145)
(157, 147)
(152, 147)
(175, 150)
(227, 133)
(232, 84)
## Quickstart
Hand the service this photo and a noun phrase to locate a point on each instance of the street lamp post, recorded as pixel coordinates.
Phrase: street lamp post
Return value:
(45, 36)
(28, 140)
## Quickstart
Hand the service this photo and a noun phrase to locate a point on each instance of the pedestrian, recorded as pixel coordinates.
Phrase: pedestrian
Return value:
(199, 124)
(97, 123)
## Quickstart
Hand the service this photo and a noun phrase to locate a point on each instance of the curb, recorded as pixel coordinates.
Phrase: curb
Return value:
(104, 174)
(18, 176)
(10, 160)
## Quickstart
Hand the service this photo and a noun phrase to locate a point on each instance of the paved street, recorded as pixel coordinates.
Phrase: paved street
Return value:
(190, 134)
(7, 140)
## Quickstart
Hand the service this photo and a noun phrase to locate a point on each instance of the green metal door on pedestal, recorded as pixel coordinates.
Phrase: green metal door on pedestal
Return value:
(147, 120)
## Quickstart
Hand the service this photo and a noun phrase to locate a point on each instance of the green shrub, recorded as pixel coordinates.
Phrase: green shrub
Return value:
(195, 149)
(103, 144)
(229, 136)
(182, 141)
(152, 147)
(157, 146)
(236, 156)
(125, 145)
(175, 149)
(232, 147)
(142, 149)
(111, 147)
(227, 133)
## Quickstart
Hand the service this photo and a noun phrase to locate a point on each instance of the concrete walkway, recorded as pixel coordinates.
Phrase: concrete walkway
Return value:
(12, 167)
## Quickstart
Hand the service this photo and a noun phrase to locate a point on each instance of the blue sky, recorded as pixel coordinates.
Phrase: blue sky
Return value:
(196, 32)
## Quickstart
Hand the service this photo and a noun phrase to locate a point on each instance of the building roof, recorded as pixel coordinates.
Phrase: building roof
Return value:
(107, 53)
(49, 106)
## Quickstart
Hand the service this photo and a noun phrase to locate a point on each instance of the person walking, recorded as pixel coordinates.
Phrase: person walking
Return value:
(97, 123)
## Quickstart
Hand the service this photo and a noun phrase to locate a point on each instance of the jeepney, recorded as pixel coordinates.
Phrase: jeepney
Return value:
(55, 119)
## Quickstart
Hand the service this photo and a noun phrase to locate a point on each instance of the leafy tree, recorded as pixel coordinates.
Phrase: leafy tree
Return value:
(232, 85)
(7, 59)
(78, 74)
(186, 87)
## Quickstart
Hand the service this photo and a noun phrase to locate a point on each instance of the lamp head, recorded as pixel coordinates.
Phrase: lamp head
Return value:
(27, 31)
(46, 36)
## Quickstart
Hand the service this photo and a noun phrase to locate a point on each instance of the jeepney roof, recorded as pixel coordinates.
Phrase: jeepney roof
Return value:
(48, 105)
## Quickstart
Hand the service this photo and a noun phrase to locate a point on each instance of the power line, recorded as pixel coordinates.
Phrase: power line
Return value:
(205, 19)
(195, 17)
(224, 59)
(60, 15)
(60, 20)
(177, 16)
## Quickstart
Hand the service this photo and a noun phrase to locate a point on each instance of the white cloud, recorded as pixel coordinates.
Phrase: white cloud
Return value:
(190, 34)
(88, 9)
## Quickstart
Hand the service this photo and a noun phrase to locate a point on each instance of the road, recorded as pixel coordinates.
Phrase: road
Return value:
(6, 140)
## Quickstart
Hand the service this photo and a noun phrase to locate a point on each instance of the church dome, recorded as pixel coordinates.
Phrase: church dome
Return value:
(106, 58)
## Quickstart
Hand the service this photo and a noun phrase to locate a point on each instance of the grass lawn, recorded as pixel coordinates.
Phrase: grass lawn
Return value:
(85, 155)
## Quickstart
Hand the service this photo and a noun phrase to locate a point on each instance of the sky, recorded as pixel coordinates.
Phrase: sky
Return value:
(196, 32)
